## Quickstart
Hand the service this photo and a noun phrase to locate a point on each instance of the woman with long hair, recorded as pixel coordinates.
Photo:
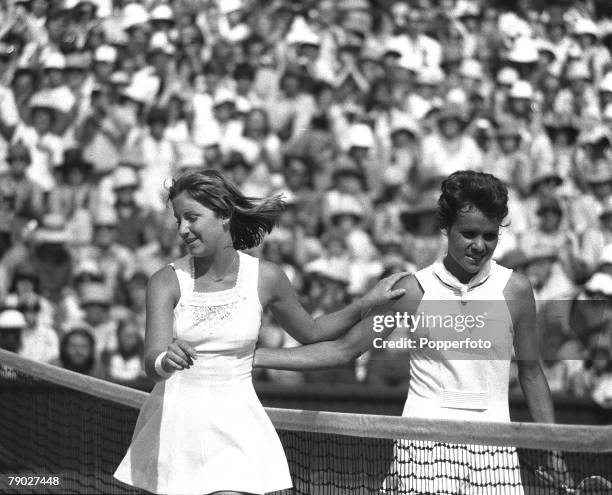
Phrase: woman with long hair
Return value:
(202, 421)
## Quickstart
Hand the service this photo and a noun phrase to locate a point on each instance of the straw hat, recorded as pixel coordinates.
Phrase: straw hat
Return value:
(600, 282)
(347, 206)
(189, 156)
(105, 217)
(162, 12)
(404, 122)
(124, 176)
(584, 26)
(606, 83)
(88, 266)
(521, 90)
(360, 136)
(55, 61)
(578, 71)
(46, 101)
(224, 95)
(471, 69)
(96, 293)
(507, 76)
(606, 256)
(52, 230)
(524, 51)
(12, 319)
(106, 54)
(452, 112)
(544, 174)
(134, 14)
(324, 269)
(160, 43)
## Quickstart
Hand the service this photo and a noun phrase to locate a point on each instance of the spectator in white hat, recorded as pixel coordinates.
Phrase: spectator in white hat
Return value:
(115, 261)
(596, 238)
(51, 256)
(594, 54)
(158, 155)
(12, 323)
(416, 45)
(45, 147)
(292, 108)
(579, 98)
(75, 196)
(449, 148)
(134, 222)
(39, 341)
(27, 197)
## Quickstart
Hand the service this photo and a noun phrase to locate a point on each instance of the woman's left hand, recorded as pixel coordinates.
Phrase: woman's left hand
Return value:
(383, 292)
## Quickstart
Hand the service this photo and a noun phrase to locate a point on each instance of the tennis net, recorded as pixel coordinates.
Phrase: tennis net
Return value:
(58, 426)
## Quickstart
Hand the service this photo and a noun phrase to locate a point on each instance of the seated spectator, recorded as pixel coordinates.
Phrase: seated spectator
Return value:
(595, 239)
(449, 148)
(39, 341)
(77, 352)
(27, 196)
(550, 234)
(26, 285)
(134, 222)
(422, 241)
(595, 378)
(125, 364)
(115, 261)
(51, 257)
(12, 323)
(96, 301)
(74, 197)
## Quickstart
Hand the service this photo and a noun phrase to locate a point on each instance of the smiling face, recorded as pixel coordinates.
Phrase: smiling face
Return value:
(472, 239)
(199, 227)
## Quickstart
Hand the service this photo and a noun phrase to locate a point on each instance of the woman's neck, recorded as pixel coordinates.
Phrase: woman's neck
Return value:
(456, 270)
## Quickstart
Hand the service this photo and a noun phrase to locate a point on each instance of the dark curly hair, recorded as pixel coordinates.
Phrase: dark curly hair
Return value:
(467, 188)
(250, 218)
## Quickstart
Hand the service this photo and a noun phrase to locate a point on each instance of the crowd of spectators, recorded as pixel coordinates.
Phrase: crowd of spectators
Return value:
(353, 109)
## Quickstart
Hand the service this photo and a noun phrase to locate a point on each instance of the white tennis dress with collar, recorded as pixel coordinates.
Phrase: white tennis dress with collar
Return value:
(466, 382)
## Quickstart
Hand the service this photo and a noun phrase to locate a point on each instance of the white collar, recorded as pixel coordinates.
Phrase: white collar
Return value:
(448, 279)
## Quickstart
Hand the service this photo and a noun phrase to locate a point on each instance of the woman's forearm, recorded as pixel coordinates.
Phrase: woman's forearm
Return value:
(334, 325)
(305, 358)
(536, 391)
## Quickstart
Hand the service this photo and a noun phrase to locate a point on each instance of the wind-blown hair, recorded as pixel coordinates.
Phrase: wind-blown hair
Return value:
(467, 188)
(250, 219)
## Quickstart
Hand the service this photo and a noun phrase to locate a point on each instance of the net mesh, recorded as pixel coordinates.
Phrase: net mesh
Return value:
(56, 430)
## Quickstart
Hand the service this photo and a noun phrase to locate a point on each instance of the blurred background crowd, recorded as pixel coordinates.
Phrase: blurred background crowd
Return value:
(353, 109)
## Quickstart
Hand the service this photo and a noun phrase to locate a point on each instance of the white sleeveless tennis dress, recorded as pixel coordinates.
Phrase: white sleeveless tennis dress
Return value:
(204, 429)
(460, 384)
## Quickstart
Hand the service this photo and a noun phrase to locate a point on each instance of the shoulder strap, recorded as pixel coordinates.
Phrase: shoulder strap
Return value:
(183, 268)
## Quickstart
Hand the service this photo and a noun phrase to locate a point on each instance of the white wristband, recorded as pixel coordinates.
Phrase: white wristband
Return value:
(159, 369)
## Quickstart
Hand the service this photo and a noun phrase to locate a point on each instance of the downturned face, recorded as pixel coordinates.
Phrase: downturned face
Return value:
(472, 239)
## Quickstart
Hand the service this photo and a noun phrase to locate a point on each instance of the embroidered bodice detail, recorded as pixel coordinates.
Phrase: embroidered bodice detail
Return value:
(214, 308)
